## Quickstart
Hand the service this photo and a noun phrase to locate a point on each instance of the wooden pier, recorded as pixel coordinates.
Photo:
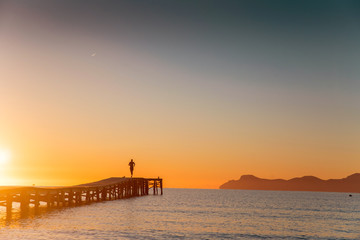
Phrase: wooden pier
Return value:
(104, 190)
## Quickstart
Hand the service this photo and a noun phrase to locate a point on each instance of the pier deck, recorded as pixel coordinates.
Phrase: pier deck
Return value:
(103, 190)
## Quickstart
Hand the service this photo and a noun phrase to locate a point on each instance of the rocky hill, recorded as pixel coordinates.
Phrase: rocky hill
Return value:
(306, 183)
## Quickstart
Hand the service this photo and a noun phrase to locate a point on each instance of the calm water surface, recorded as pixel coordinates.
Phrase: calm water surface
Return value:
(198, 214)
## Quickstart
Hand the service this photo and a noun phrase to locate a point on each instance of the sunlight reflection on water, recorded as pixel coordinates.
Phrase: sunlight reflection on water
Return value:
(197, 214)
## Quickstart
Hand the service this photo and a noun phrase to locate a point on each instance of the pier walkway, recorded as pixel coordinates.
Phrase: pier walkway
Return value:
(103, 190)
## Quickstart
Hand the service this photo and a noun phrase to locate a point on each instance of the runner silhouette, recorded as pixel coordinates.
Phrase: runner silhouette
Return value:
(132, 165)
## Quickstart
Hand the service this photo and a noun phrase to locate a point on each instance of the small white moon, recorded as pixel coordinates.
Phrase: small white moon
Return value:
(93, 54)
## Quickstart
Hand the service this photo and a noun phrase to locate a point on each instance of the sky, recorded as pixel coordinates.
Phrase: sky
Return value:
(196, 92)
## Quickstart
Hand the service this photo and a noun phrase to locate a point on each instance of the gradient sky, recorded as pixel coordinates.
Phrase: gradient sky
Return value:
(196, 92)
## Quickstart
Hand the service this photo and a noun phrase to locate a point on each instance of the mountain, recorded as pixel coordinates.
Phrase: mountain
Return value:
(306, 183)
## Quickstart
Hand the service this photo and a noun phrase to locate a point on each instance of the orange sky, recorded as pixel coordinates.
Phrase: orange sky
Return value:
(182, 111)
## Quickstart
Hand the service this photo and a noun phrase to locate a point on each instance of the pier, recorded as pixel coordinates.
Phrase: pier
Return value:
(104, 190)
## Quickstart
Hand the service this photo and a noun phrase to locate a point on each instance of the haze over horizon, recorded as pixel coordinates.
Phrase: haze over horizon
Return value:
(196, 92)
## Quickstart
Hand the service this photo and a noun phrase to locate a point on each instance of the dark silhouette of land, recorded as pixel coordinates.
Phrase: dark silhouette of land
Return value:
(306, 183)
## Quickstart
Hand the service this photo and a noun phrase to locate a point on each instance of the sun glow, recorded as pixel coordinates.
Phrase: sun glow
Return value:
(5, 156)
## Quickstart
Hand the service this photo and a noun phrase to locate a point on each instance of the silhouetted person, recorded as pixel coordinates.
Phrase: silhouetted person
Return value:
(132, 165)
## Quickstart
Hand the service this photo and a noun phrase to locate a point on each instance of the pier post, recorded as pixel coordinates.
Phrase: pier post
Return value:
(87, 196)
(103, 194)
(111, 193)
(24, 201)
(9, 201)
(57, 198)
(78, 197)
(63, 198)
(48, 199)
(70, 197)
(126, 188)
(91, 195)
(143, 187)
(117, 191)
(98, 194)
(122, 187)
(161, 186)
(36, 200)
(154, 186)
(157, 187)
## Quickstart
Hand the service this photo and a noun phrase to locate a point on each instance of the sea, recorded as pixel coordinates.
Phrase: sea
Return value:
(196, 214)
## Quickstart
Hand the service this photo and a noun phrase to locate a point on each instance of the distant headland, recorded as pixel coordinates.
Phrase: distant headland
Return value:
(349, 184)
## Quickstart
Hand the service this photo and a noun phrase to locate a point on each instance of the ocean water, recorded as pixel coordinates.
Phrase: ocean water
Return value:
(197, 214)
